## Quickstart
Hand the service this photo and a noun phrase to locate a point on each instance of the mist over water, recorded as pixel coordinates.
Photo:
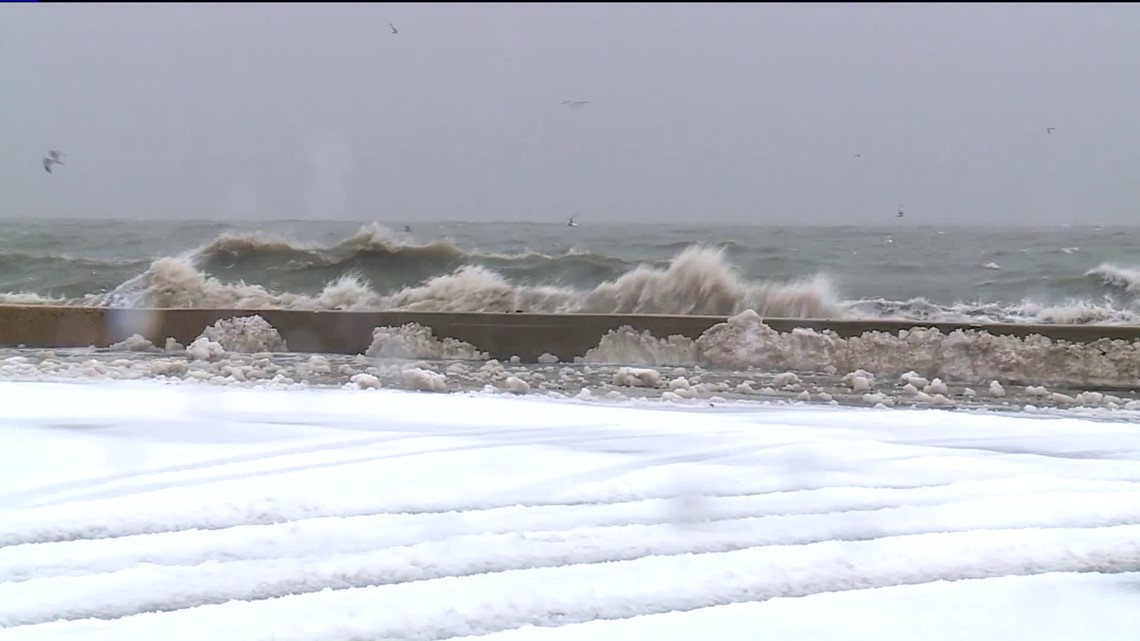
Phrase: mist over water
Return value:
(1061, 275)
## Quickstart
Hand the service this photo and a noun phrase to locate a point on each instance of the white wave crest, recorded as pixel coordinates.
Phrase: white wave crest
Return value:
(1125, 278)
(697, 281)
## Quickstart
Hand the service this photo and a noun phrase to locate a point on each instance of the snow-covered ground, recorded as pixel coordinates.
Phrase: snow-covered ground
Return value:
(145, 511)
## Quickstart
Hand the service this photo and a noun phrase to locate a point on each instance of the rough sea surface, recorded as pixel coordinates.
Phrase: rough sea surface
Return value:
(904, 270)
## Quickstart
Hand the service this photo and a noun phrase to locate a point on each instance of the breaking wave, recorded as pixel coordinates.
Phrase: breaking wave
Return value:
(378, 269)
(1125, 279)
(697, 281)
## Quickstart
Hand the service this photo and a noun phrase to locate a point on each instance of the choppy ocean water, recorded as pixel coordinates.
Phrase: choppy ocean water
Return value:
(1047, 275)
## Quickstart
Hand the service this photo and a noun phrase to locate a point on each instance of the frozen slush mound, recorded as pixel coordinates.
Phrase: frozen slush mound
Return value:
(246, 334)
(241, 334)
(414, 341)
(744, 341)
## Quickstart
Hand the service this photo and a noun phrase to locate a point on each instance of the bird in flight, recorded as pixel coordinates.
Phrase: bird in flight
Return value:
(393, 28)
(857, 156)
(1049, 130)
(53, 158)
(575, 104)
(572, 222)
(900, 214)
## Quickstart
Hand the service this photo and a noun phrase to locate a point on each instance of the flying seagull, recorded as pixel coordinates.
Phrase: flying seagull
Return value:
(393, 27)
(53, 158)
(575, 104)
(900, 214)
(1049, 130)
(571, 223)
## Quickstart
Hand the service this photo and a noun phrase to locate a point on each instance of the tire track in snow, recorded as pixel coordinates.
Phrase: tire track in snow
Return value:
(389, 435)
(311, 537)
(112, 519)
(23, 498)
(524, 437)
(492, 602)
(150, 587)
(68, 521)
(46, 536)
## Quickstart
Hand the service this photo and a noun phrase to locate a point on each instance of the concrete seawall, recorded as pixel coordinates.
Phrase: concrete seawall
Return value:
(502, 335)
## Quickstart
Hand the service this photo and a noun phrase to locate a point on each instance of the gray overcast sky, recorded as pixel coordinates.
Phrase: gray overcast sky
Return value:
(735, 112)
